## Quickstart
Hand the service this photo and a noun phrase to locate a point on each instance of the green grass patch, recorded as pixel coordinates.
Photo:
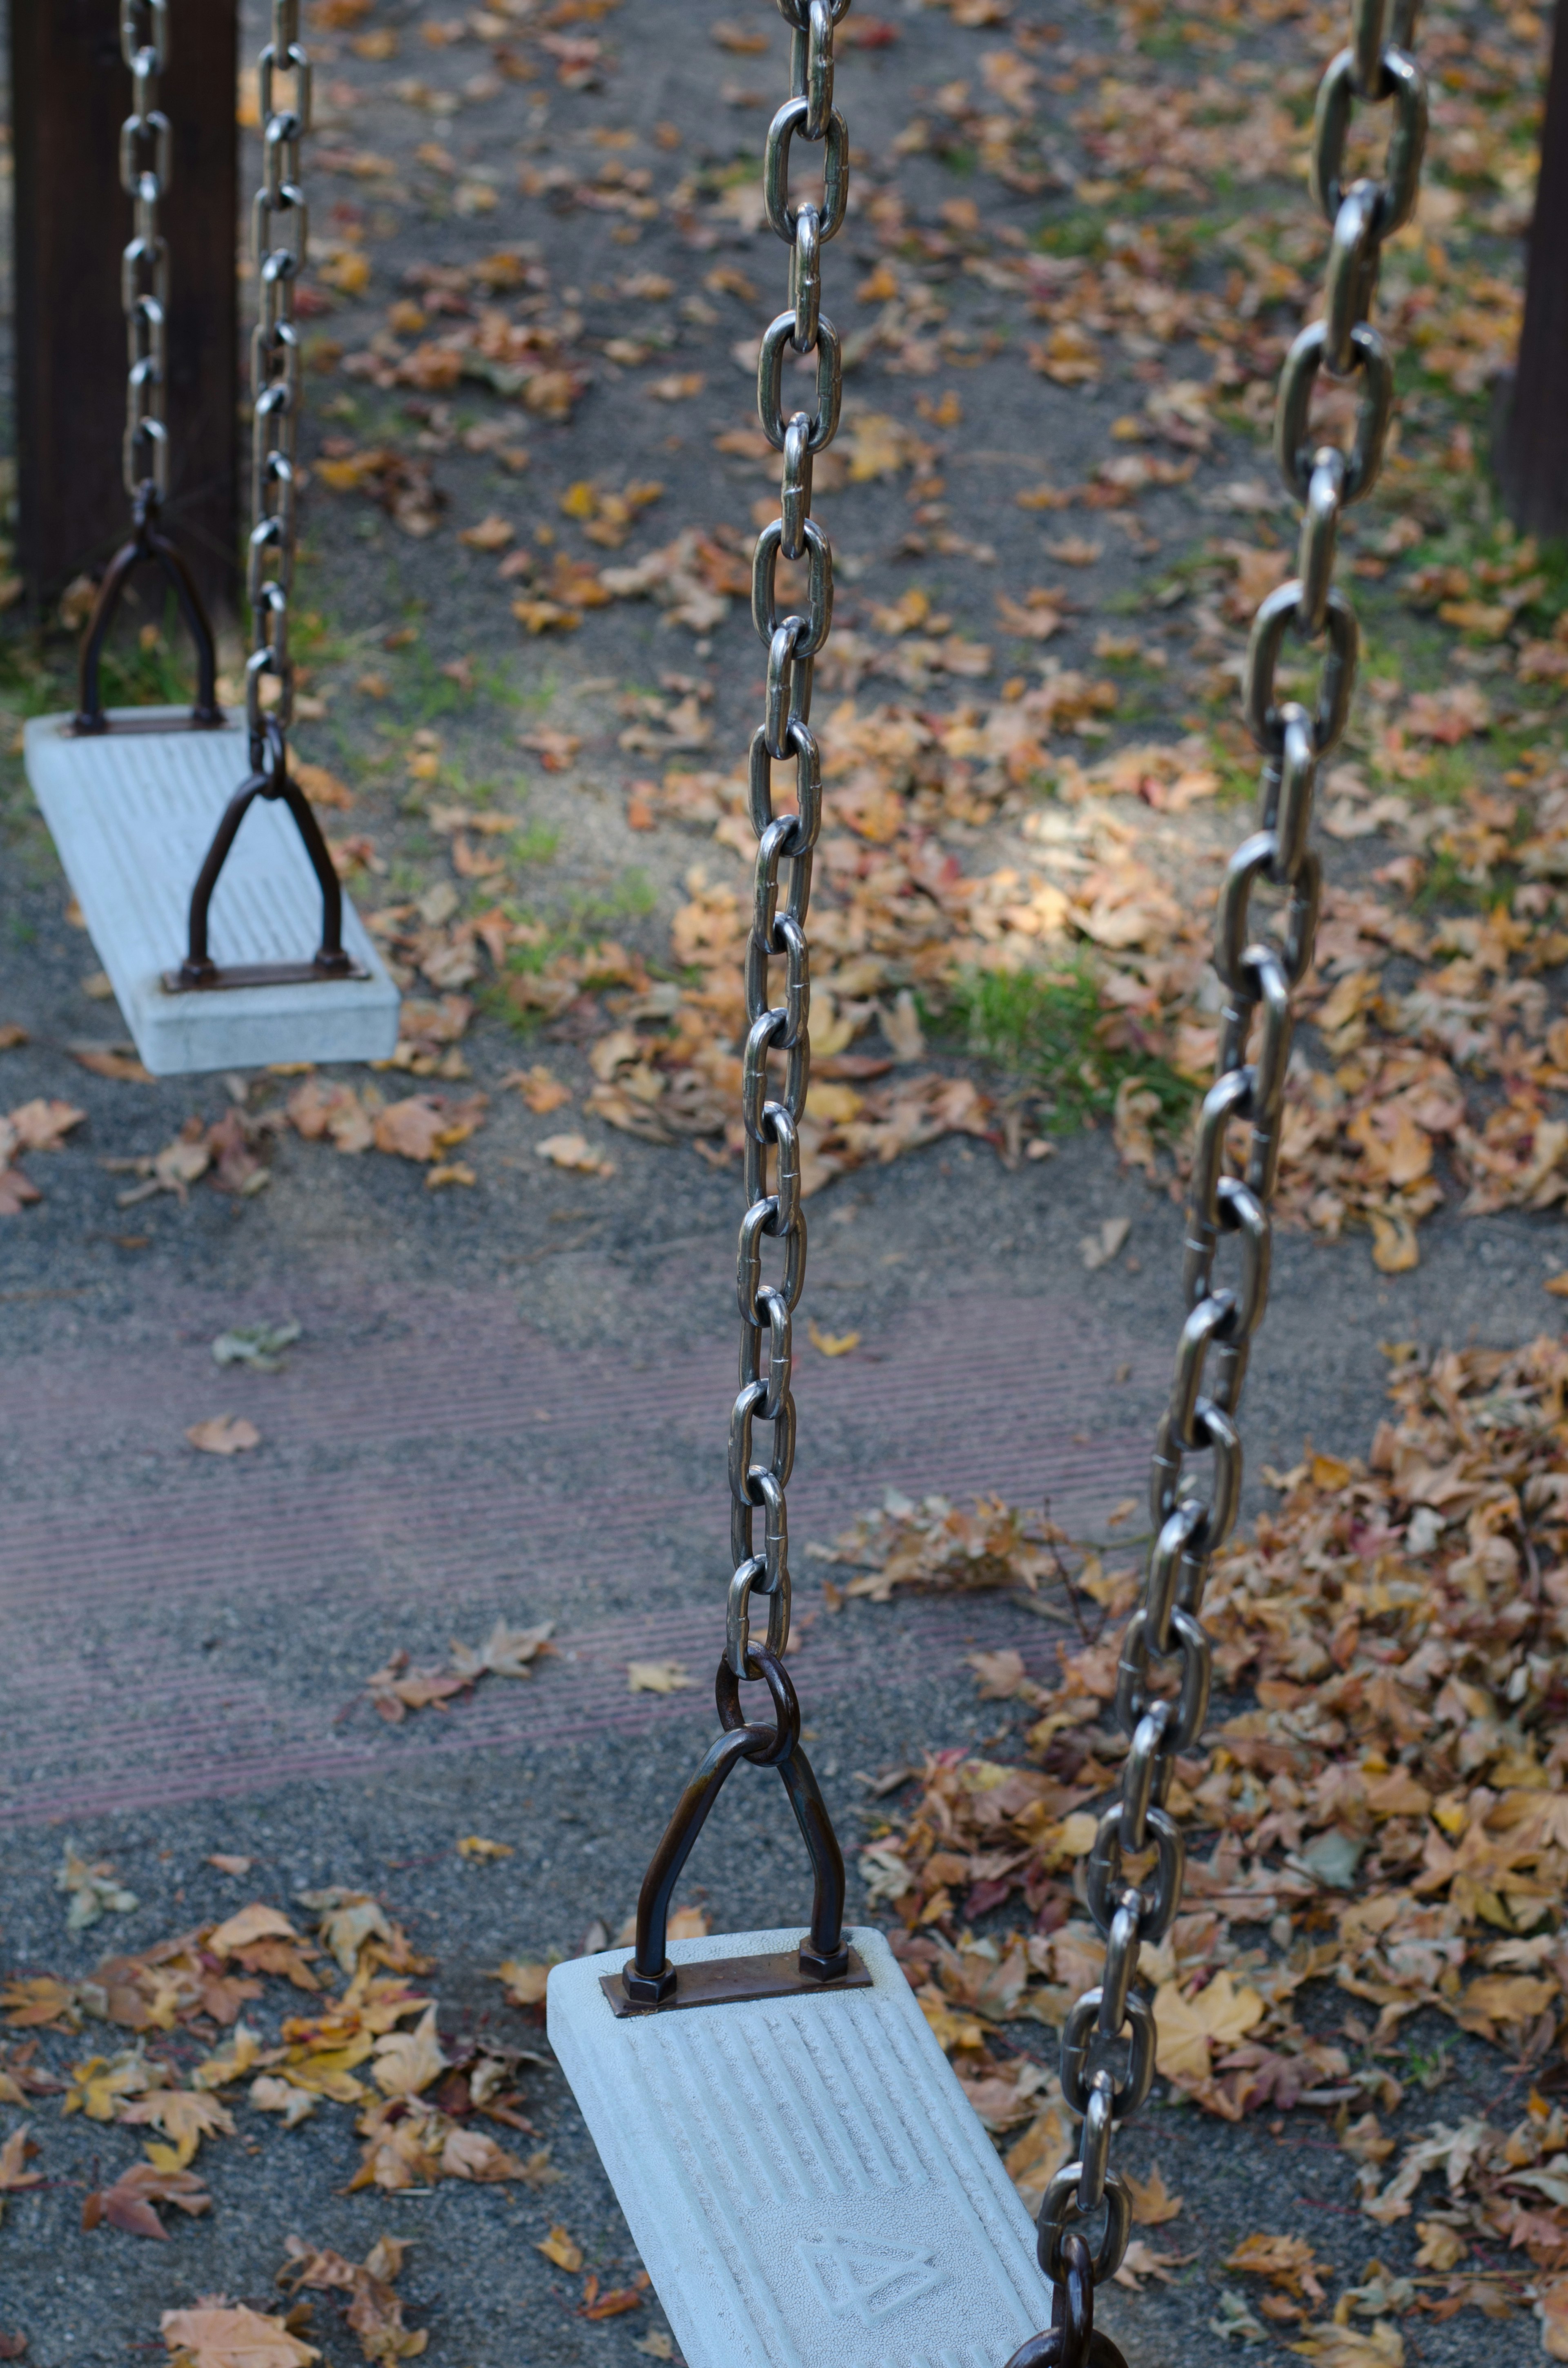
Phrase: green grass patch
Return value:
(1047, 1026)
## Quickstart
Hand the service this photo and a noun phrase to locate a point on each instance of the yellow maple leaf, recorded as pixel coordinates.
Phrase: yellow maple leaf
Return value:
(1220, 2015)
(559, 2247)
(407, 2061)
(1152, 2200)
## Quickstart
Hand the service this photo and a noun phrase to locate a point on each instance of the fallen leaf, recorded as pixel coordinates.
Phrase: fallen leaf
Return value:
(257, 1922)
(407, 2061)
(111, 1061)
(657, 1677)
(831, 1344)
(524, 1982)
(43, 1125)
(269, 2094)
(14, 2154)
(492, 533)
(475, 1848)
(128, 2204)
(573, 1151)
(1100, 1248)
(1286, 2261)
(540, 1090)
(506, 1652)
(211, 2336)
(224, 1434)
(95, 1890)
(1219, 2015)
(469, 2154)
(411, 1129)
(183, 2117)
(559, 2247)
(1152, 2202)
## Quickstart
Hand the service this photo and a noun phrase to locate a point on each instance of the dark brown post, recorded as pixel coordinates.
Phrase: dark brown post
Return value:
(70, 92)
(1532, 451)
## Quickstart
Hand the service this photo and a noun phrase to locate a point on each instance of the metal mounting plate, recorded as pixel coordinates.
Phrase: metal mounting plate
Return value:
(804, 2177)
(731, 1981)
(132, 814)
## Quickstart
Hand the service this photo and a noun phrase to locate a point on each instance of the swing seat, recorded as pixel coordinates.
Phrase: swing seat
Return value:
(132, 813)
(801, 2173)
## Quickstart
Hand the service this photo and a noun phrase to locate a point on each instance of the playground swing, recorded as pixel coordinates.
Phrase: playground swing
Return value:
(142, 801)
(797, 2163)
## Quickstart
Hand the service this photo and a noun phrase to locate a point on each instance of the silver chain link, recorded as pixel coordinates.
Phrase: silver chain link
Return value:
(145, 147)
(281, 237)
(793, 643)
(1109, 2041)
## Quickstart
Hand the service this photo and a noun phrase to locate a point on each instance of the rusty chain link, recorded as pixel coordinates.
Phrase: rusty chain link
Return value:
(1163, 1679)
(281, 236)
(772, 1107)
(145, 155)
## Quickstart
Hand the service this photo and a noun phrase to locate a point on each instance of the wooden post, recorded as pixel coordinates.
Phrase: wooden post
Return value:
(1532, 451)
(70, 92)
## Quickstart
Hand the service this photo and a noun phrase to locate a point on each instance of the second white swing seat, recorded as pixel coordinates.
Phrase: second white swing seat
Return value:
(804, 2177)
(132, 814)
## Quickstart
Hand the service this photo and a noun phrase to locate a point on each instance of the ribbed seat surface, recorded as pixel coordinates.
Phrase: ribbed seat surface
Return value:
(132, 815)
(804, 2177)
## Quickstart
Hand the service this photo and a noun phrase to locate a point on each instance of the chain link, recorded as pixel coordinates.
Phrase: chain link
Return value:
(281, 237)
(1162, 1678)
(776, 1068)
(145, 147)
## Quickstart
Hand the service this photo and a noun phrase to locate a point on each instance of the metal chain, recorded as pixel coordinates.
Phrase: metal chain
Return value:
(792, 642)
(1108, 2043)
(145, 156)
(281, 236)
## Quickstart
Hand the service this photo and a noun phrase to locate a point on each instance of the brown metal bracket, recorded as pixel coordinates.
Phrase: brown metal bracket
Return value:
(198, 972)
(648, 1980)
(147, 545)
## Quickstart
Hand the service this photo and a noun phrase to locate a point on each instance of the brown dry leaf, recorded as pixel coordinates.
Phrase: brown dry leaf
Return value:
(128, 2204)
(218, 2337)
(1218, 2016)
(1152, 2202)
(575, 1152)
(831, 1344)
(183, 2117)
(224, 1434)
(559, 2247)
(1286, 2261)
(14, 2154)
(43, 1125)
(321, 786)
(1381, 2346)
(478, 1851)
(492, 533)
(1551, 2308)
(257, 1922)
(524, 1982)
(407, 2061)
(506, 1652)
(542, 1091)
(411, 1129)
(111, 1061)
(38, 2002)
(657, 1677)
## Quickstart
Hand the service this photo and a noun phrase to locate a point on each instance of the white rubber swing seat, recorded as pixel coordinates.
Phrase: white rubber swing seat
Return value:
(802, 2175)
(132, 815)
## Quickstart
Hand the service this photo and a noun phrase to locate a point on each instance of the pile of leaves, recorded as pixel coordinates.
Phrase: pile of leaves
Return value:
(421, 2107)
(1379, 1792)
